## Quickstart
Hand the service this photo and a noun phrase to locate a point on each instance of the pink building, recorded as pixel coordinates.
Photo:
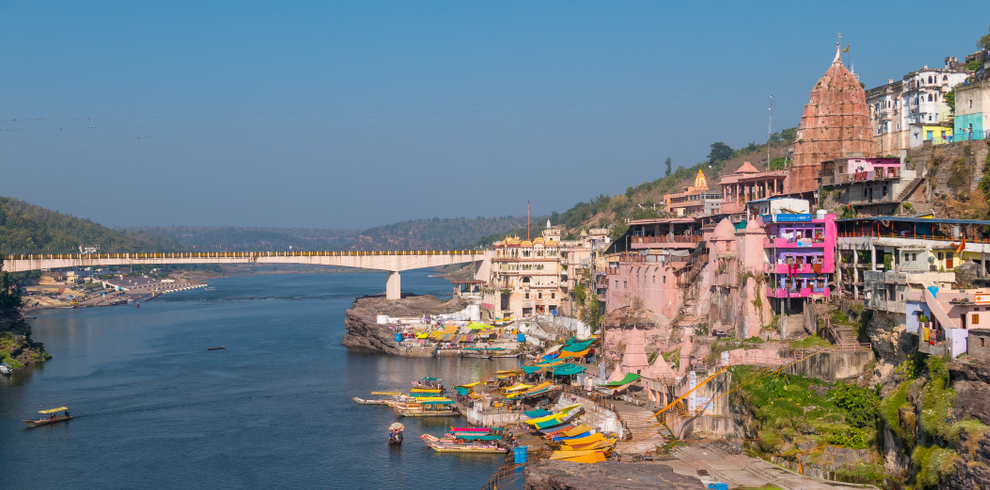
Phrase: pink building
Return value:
(748, 184)
(801, 254)
(648, 264)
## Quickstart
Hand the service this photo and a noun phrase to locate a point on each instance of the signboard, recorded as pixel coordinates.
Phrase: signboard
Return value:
(792, 218)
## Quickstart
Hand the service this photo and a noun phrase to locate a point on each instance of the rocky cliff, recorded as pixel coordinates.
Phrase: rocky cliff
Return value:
(16, 346)
(364, 333)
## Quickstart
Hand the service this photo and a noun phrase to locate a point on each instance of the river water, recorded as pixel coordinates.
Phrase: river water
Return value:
(155, 409)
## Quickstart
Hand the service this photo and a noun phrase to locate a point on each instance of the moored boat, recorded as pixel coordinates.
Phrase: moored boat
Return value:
(222, 347)
(455, 445)
(380, 398)
(429, 383)
(427, 407)
(5, 369)
(53, 417)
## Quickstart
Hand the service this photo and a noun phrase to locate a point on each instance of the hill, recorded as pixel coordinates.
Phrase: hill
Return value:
(26, 228)
(646, 200)
(422, 234)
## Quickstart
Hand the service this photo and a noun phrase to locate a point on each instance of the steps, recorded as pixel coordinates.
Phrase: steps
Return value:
(908, 189)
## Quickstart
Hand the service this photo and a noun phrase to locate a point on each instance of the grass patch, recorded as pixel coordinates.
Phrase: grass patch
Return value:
(864, 473)
(937, 401)
(932, 463)
(890, 408)
(810, 343)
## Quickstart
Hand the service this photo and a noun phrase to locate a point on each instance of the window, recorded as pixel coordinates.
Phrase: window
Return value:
(539, 295)
(527, 295)
(625, 284)
(553, 295)
(976, 319)
(616, 284)
(665, 279)
(654, 279)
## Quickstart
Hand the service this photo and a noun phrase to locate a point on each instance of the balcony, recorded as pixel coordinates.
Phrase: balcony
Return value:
(796, 293)
(664, 241)
(801, 268)
(793, 242)
(871, 176)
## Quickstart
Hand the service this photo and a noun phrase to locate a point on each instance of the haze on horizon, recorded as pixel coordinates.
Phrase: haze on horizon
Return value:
(356, 114)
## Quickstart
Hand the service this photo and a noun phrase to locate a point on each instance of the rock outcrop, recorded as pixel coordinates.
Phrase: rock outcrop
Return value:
(364, 333)
(16, 343)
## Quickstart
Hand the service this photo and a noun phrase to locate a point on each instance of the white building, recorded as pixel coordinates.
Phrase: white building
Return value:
(919, 99)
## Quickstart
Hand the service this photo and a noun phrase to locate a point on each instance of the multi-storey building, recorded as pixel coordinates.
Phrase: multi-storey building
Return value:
(749, 184)
(800, 252)
(972, 120)
(525, 276)
(917, 99)
(695, 200)
(873, 186)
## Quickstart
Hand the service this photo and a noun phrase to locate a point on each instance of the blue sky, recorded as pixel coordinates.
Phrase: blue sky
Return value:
(356, 114)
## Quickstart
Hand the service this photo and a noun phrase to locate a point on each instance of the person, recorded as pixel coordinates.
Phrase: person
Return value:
(67, 413)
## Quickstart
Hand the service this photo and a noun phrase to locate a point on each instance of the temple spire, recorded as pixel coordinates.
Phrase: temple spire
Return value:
(838, 51)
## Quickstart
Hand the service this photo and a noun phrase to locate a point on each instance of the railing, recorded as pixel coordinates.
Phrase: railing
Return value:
(961, 136)
(873, 175)
(666, 239)
(200, 255)
(913, 236)
(793, 242)
(800, 269)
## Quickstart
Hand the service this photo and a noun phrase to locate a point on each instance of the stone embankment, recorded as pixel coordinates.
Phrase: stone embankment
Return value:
(365, 334)
(564, 475)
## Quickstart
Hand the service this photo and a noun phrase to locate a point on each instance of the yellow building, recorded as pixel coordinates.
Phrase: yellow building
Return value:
(525, 277)
(695, 200)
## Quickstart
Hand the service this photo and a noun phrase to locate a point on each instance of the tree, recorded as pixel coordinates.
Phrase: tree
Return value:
(667, 162)
(789, 134)
(950, 99)
(720, 153)
(777, 163)
(10, 294)
(984, 42)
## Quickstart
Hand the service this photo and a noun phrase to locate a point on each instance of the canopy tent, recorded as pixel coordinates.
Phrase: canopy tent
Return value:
(549, 363)
(518, 387)
(566, 370)
(578, 347)
(570, 407)
(539, 412)
(422, 335)
(548, 423)
(567, 354)
(556, 429)
(531, 369)
(470, 385)
(437, 402)
(478, 326)
(629, 378)
(462, 391)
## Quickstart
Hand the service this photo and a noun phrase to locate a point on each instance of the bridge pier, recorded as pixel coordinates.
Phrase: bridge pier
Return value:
(393, 285)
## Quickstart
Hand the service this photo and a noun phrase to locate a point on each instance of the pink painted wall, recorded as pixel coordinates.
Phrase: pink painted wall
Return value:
(654, 283)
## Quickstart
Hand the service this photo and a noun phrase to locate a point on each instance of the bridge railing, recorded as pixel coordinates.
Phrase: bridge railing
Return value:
(200, 255)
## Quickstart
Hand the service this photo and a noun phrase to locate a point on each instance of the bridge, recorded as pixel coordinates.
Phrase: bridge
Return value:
(392, 262)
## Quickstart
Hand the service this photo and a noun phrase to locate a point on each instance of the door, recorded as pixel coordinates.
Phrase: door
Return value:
(948, 261)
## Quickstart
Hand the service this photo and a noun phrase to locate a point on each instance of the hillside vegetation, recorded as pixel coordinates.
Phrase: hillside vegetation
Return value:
(26, 228)
(646, 200)
(422, 234)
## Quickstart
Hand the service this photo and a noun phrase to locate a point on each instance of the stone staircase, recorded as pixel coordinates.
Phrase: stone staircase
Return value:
(639, 421)
(908, 189)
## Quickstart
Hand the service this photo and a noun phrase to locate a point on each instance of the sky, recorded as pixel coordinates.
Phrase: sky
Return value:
(356, 114)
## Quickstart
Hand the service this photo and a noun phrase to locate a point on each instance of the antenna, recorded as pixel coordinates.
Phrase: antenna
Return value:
(769, 132)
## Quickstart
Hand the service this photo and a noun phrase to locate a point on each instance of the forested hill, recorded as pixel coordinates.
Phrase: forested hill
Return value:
(422, 234)
(645, 200)
(26, 228)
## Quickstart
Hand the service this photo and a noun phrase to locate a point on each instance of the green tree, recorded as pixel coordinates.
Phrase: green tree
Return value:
(950, 99)
(10, 294)
(669, 165)
(777, 163)
(720, 152)
(789, 134)
(984, 42)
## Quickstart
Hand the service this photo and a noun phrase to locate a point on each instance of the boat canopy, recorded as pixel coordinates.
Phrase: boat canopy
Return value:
(578, 347)
(476, 437)
(566, 354)
(470, 385)
(519, 387)
(437, 402)
(53, 410)
(629, 378)
(386, 393)
(570, 407)
(531, 369)
(428, 378)
(462, 391)
(508, 371)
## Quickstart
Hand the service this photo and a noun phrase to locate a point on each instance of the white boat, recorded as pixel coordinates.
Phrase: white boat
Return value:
(5, 369)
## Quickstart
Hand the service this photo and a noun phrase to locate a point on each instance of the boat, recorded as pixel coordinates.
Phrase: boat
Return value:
(5, 369)
(137, 305)
(222, 347)
(381, 398)
(211, 288)
(429, 383)
(429, 407)
(53, 417)
(476, 355)
(506, 356)
(456, 445)
(395, 434)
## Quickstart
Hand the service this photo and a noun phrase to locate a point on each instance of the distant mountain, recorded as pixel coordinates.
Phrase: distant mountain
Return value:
(26, 228)
(422, 234)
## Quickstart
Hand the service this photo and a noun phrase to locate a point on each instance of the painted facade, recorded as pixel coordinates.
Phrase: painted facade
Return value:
(525, 276)
(800, 252)
(972, 117)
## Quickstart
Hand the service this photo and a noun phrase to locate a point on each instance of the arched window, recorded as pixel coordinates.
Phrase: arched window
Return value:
(929, 97)
(525, 280)
(929, 79)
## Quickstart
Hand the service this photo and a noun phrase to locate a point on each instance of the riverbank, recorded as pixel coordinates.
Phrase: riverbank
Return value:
(365, 334)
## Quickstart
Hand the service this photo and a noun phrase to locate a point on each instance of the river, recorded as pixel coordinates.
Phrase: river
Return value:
(154, 409)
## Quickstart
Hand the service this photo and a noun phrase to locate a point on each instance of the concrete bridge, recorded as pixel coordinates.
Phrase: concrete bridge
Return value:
(391, 262)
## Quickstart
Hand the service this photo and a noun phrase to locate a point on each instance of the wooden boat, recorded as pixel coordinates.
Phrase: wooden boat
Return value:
(5, 369)
(381, 398)
(429, 383)
(451, 445)
(505, 356)
(428, 407)
(395, 434)
(53, 417)
(222, 347)
(476, 355)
